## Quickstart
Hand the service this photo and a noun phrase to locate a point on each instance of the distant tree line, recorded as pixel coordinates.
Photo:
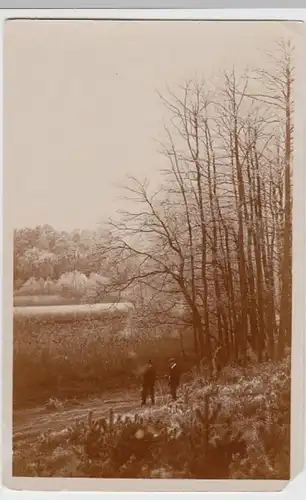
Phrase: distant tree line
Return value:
(69, 264)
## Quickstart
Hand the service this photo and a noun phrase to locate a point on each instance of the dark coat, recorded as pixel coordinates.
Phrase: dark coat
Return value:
(174, 375)
(149, 376)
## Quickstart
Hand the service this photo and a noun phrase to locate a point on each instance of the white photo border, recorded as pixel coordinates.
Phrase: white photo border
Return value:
(11, 487)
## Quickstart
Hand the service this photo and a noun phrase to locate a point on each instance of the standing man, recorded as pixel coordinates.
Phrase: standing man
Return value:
(174, 378)
(148, 383)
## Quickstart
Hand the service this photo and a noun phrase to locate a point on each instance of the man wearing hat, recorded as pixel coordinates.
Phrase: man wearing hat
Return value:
(174, 378)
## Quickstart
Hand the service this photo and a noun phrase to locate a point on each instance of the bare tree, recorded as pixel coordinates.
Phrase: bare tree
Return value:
(277, 93)
(216, 236)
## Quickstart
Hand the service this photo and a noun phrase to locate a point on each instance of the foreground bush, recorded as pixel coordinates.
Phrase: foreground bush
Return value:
(239, 430)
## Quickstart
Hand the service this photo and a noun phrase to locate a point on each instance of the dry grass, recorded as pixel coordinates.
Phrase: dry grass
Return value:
(76, 359)
(234, 430)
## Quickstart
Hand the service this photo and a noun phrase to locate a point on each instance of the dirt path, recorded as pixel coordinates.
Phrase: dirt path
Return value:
(28, 424)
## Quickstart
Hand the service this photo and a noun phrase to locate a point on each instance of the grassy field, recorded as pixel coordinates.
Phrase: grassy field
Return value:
(61, 358)
(236, 427)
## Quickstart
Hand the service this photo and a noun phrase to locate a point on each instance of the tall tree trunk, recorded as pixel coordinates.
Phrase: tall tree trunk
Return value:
(286, 292)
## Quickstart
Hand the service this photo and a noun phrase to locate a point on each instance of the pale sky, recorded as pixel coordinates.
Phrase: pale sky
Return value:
(81, 108)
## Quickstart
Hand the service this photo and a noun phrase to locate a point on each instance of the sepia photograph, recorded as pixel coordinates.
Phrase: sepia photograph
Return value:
(150, 171)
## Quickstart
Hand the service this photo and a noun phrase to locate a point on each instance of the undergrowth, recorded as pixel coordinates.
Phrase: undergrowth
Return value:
(238, 429)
